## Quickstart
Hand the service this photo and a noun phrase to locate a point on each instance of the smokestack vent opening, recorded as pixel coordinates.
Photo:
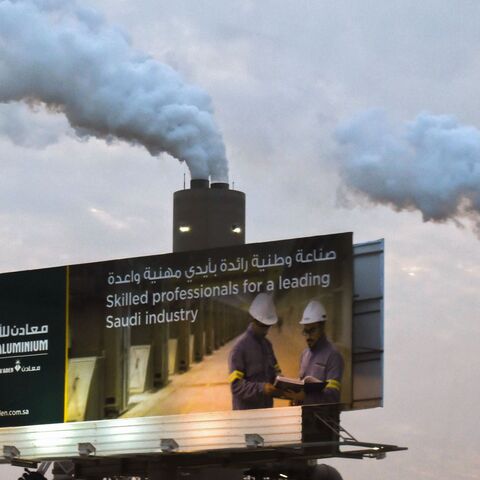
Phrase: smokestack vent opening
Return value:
(219, 186)
(199, 183)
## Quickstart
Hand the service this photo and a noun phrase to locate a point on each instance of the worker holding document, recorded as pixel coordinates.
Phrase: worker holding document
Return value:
(321, 364)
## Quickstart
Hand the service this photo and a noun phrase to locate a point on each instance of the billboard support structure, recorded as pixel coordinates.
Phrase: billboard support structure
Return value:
(117, 297)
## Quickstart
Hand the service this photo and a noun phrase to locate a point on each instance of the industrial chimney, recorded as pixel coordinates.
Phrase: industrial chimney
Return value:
(208, 216)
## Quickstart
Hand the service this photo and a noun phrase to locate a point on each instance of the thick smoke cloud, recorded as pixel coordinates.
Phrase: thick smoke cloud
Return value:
(65, 56)
(31, 129)
(431, 164)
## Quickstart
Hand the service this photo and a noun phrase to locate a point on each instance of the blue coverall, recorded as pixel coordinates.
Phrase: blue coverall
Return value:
(325, 363)
(252, 363)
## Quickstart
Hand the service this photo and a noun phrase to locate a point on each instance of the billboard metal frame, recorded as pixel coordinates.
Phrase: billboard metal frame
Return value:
(285, 438)
(138, 446)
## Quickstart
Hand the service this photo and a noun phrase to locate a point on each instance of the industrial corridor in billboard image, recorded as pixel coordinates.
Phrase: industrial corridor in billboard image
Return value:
(163, 335)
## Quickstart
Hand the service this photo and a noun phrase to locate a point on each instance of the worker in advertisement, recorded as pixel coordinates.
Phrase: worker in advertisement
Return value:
(252, 362)
(320, 361)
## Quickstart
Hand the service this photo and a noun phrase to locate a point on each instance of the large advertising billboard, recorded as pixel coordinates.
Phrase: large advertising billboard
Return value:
(254, 326)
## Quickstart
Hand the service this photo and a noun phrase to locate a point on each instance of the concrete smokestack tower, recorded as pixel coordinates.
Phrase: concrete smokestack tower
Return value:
(208, 216)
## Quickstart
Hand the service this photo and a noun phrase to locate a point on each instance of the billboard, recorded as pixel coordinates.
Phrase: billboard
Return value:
(179, 333)
(32, 347)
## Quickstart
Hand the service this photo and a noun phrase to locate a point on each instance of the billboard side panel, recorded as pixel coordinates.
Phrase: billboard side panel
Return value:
(368, 318)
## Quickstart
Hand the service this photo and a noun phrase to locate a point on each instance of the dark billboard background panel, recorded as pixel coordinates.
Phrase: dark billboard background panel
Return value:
(166, 324)
(32, 346)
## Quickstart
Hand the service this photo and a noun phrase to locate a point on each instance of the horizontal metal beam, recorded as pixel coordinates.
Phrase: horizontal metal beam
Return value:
(192, 432)
(227, 458)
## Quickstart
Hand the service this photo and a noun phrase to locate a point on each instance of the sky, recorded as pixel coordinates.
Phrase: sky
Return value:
(283, 77)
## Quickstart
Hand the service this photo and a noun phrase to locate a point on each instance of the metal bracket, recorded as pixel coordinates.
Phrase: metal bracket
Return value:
(348, 438)
(24, 463)
(10, 451)
(86, 449)
(43, 467)
(63, 470)
(168, 445)
(254, 440)
(336, 428)
(377, 454)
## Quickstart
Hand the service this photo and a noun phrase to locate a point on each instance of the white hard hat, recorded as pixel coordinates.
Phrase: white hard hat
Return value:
(314, 312)
(263, 309)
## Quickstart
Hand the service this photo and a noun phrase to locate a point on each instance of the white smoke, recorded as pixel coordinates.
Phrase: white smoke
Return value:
(431, 164)
(31, 128)
(67, 57)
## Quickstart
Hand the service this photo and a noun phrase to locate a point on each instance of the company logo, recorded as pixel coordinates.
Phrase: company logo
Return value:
(19, 368)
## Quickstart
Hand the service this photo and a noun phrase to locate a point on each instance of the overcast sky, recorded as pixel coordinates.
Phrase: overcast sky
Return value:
(282, 76)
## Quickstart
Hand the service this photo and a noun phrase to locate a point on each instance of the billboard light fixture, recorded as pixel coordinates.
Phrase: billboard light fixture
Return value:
(86, 449)
(254, 440)
(10, 451)
(185, 228)
(236, 228)
(168, 445)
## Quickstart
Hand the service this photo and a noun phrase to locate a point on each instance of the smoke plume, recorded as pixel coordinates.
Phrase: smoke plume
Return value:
(431, 164)
(32, 129)
(66, 57)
